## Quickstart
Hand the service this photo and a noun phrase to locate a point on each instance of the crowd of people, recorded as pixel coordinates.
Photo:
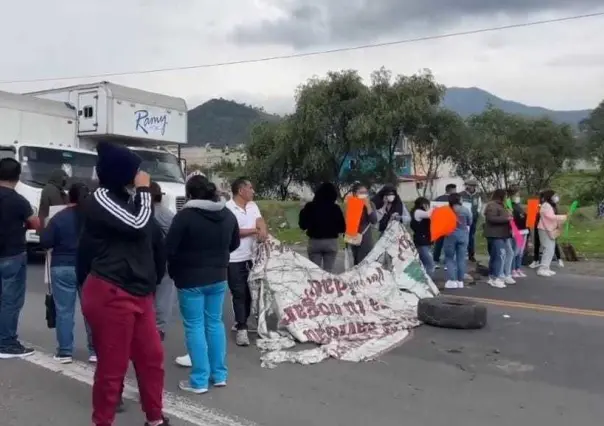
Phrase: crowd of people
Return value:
(500, 215)
(128, 258)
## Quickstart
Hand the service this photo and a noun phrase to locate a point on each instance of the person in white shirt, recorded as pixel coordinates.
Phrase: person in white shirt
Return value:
(252, 228)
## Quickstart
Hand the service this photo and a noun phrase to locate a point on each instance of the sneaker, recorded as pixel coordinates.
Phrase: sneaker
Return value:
(509, 280)
(242, 338)
(497, 283)
(250, 329)
(459, 284)
(185, 385)
(184, 361)
(164, 422)
(220, 384)
(93, 359)
(63, 358)
(16, 351)
(451, 284)
(560, 263)
(521, 273)
(437, 266)
(534, 265)
(515, 274)
(543, 272)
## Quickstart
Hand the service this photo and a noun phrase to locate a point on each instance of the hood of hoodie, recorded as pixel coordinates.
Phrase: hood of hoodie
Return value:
(58, 178)
(214, 211)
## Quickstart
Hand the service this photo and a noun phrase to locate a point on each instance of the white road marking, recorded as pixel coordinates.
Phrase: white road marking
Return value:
(174, 406)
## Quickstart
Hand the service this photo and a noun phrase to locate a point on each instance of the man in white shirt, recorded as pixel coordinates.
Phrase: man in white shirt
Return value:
(252, 227)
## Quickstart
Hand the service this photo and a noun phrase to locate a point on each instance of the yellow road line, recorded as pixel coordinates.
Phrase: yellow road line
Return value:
(536, 307)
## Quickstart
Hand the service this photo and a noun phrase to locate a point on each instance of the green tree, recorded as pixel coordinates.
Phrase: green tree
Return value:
(322, 126)
(593, 130)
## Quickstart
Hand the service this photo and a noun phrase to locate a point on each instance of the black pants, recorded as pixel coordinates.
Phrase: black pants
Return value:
(438, 248)
(242, 298)
(537, 248)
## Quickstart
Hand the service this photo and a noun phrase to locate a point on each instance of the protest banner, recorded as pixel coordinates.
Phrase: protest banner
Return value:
(354, 316)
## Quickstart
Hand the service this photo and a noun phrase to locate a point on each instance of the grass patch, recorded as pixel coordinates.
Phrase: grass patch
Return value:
(586, 232)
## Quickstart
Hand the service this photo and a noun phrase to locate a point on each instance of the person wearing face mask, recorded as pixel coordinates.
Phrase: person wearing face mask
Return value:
(537, 242)
(368, 218)
(471, 195)
(549, 227)
(53, 194)
(520, 222)
(389, 206)
(420, 224)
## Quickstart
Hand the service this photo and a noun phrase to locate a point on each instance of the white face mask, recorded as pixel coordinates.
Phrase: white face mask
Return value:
(362, 196)
(556, 199)
(516, 200)
(390, 198)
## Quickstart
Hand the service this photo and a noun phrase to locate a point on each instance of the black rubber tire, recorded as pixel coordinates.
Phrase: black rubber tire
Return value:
(452, 312)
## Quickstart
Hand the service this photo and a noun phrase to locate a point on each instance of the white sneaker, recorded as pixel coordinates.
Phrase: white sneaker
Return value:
(220, 384)
(185, 385)
(61, 359)
(459, 284)
(93, 359)
(561, 263)
(184, 361)
(242, 338)
(497, 283)
(521, 273)
(543, 272)
(509, 280)
(451, 284)
(534, 265)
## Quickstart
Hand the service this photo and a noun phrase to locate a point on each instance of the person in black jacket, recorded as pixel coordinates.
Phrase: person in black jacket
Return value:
(323, 221)
(420, 224)
(202, 236)
(389, 206)
(119, 259)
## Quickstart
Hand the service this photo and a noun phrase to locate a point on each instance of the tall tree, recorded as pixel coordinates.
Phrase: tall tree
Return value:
(593, 129)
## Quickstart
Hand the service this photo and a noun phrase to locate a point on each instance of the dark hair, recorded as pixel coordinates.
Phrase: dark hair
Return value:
(513, 190)
(498, 195)
(237, 184)
(78, 192)
(420, 202)
(200, 188)
(356, 186)
(454, 200)
(450, 186)
(156, 194)
(326, 193)
(378, 199)
(547, 195)
(10, 170)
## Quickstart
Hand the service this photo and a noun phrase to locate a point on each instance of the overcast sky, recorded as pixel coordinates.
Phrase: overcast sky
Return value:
(558, 66)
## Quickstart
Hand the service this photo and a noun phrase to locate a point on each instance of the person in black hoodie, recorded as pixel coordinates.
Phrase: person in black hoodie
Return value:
(199, 243)
(389, 206)
(323, 221)
(53, 194)
(119, 259)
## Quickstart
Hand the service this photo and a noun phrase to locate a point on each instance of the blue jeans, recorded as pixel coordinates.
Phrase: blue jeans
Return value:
(455, 247)
(12, 297)
(65, 292)
(501, 256)
(438, 247)
(518, 253)
(201, 310)
(426, 258)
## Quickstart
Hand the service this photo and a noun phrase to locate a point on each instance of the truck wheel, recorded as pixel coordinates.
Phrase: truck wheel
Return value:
(451, 312)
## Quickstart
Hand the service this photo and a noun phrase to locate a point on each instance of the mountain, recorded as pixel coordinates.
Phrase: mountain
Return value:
(222, 122)
(472, 100)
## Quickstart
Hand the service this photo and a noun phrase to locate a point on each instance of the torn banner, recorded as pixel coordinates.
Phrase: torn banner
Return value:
(354, 316)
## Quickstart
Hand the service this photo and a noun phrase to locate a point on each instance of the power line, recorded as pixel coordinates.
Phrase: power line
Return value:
(314, 53)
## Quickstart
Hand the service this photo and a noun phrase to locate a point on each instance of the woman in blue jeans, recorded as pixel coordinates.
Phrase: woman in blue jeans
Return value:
(199, 242)
(455, 245)
(61, 235)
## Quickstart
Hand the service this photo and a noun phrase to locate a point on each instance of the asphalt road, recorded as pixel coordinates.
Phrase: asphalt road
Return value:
(530, 365)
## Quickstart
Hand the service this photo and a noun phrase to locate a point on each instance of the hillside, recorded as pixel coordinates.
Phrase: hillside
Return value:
(468, 101)
(223, 122)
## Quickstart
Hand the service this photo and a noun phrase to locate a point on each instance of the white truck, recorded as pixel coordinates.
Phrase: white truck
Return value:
(150, 123)
(41, 135)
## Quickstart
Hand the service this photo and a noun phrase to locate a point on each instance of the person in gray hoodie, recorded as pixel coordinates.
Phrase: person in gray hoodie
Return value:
(166, 292)
(53, 194)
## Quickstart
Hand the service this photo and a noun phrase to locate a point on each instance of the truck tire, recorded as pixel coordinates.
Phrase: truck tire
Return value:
(451, 312)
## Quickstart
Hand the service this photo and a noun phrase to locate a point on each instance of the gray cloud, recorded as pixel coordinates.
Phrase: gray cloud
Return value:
(304, 23)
